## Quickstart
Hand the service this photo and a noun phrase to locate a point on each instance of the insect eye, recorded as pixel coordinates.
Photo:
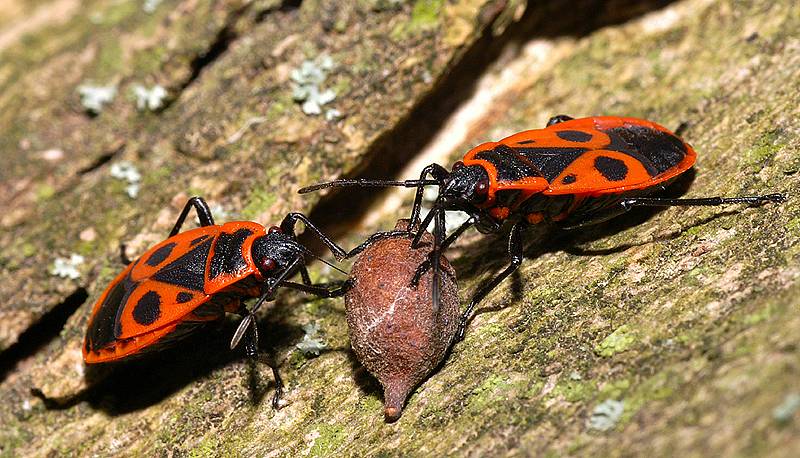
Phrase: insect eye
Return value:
(482, 187)
(275, 229)
(267, 264)
(457, 165)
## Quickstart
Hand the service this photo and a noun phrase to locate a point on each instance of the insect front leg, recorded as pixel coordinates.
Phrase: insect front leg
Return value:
(438, 173)
(203, 214)
(288, 227)
(375, 238)
(251, 350)
(447, 242)
(515, 252)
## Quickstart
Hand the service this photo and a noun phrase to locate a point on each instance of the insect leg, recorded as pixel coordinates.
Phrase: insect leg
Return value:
(559, 118)
(335, 290)
(203, 214)
(423, 226)
(276, 398)
(436, 255)
(436, 171)
(287, 226)
(375, 238)
(516, 255)
(304, 275)
(705, 201)
(447, 242)
(122, 256)
(251, 349)
(249, 319)
(628, 204)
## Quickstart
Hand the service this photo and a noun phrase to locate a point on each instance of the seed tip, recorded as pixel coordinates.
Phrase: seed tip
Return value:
(392, 414)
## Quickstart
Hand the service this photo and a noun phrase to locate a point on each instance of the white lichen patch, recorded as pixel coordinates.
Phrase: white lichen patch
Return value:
(785, 411)
(312, 343)
(67, 268)
(149, 98)
(52, 155)
(126, 171)
(94, 98)
(606, 415)
(333, 114)
(307, 88)
(150, 6)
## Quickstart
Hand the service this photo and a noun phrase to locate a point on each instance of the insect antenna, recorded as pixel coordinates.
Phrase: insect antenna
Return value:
(367, 184)
(306, 251)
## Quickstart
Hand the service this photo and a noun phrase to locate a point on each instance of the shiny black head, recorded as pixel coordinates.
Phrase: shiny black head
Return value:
(464, 188)
(274, 252)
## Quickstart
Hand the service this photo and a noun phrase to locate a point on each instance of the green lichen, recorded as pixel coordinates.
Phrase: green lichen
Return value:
(758, 316)
(260, 200)
(44, 192)
(574, 390)
(615, 389)
(622, 339)
(208, 447)
(487, 392)
(425, 15)
(330, 439)
(767, 146)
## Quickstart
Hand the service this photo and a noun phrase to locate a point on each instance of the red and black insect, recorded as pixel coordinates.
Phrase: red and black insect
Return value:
(574, 173)
(195, 277)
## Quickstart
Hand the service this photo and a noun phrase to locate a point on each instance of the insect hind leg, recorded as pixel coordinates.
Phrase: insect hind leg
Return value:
(203, 214)
(558, 118)
(515, 252)
(626, 204)
(123, 257)
(704, 201)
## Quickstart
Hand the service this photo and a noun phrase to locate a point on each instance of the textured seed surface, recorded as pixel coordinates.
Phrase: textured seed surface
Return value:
(393, 328)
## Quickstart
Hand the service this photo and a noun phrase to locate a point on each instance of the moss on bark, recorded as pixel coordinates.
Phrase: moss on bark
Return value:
(667, 333)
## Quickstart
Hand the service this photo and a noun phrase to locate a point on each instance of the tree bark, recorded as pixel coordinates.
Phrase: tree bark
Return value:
(673, 332)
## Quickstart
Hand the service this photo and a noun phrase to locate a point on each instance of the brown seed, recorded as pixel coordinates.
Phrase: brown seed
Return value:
(393, 329)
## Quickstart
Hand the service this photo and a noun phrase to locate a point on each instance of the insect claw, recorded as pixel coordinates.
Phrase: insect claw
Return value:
(777, 197)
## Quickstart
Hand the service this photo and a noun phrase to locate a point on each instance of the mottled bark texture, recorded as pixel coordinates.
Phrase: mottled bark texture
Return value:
(671, 333)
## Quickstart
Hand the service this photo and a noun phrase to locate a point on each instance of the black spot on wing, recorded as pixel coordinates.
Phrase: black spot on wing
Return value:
(550, 161)
(148, 309)
(189, 270)
(611, 169)
(228, 258)
(569, 179)
(104, 328)
(160, 255)
(183, 297)
(526, 142)
(658, 151)
(574, 135)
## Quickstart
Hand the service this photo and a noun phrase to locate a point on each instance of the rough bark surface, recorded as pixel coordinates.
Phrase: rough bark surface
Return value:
(673, 332)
